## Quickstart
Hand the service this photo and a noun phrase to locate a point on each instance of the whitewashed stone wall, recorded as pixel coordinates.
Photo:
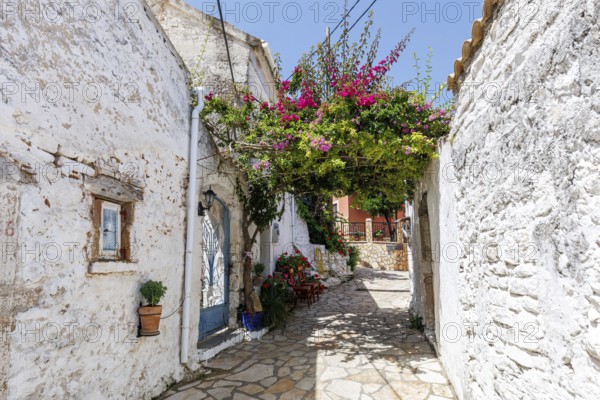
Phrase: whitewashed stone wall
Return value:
(199, 39)
(85, 96)
(513, 209)
(291, 231)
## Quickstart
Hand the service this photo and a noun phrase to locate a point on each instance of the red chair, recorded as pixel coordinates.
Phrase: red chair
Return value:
(278, 276)
(316, 287)
(302, 291)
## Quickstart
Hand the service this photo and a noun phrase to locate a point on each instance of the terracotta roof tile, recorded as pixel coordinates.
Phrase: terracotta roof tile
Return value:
(470, 46)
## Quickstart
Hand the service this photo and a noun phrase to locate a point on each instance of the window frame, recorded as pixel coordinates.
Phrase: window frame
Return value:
(111, 255)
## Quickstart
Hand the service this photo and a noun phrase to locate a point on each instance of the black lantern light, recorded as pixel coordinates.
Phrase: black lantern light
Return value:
(209, 197)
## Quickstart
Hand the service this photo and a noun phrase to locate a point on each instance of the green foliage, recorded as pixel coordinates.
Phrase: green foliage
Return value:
(259, 269)
(314, 211)
(317, 212)
(198, 70)
(262, 202)
(423, 84)
(416, 322)
(386, 205)
(153, 292)
(335, 128)
(354, 257)
(379, 204)
(274, 297)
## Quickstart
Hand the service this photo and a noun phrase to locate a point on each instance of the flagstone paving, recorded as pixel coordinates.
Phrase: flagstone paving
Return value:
(355, 343)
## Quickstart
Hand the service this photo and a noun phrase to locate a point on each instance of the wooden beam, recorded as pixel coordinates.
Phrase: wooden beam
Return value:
(112, 189)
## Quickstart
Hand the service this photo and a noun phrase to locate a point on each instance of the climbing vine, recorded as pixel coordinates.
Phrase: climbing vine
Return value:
(322, 225)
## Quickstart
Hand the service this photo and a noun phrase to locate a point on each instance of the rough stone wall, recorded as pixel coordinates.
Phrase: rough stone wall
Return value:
(383, 256)
(84, 95)
(512, 209)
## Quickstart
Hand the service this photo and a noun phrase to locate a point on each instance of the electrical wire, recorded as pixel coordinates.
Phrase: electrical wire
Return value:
(348, 31)
(334, 29)
(226, 45)
(345, 16)
(361, 17)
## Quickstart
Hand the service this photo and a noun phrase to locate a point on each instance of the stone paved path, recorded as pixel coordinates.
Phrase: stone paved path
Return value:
(355, 343)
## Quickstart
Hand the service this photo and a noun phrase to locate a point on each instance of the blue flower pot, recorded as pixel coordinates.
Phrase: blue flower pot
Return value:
(252, 322)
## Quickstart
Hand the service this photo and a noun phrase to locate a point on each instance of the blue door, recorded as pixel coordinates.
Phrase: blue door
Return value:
(214, 310)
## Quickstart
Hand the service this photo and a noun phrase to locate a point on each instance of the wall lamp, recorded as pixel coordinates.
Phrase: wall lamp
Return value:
(209, 197)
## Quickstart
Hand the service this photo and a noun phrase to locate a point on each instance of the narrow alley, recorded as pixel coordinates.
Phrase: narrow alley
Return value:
(355, 343)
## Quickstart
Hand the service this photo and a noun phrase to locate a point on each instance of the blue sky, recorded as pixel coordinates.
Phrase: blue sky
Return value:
(292, 27)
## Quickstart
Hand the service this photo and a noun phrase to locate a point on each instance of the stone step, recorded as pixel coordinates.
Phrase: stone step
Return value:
(212, 346)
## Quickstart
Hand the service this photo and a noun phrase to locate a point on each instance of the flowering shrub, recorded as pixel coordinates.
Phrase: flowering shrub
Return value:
(336, 242)
(275, 297)
(335, 127)
(287, 261)
(287, 265)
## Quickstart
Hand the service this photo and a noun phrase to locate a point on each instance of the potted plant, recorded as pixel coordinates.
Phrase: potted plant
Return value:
(252, 321)
(275, 297)
(358, 236)
(153, 292)
(379, 235)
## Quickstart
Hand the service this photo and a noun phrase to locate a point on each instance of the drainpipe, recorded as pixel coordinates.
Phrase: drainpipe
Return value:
(293, 213)
(191, 216)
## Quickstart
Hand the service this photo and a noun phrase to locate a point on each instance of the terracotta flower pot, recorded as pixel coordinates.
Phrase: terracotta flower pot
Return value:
(150, 320)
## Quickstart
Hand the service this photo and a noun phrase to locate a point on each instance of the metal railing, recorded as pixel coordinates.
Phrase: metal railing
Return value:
(381, 232)
(369, 231)
(354, 231)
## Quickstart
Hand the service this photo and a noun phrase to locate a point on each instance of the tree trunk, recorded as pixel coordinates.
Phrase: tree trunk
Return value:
(391, 228)
(247, 277)
(247, 261)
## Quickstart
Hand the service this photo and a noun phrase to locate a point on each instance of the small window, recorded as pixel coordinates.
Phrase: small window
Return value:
(110, 231)
(113, 223)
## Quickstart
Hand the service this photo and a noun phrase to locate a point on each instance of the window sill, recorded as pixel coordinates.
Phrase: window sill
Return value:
(112, 267)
